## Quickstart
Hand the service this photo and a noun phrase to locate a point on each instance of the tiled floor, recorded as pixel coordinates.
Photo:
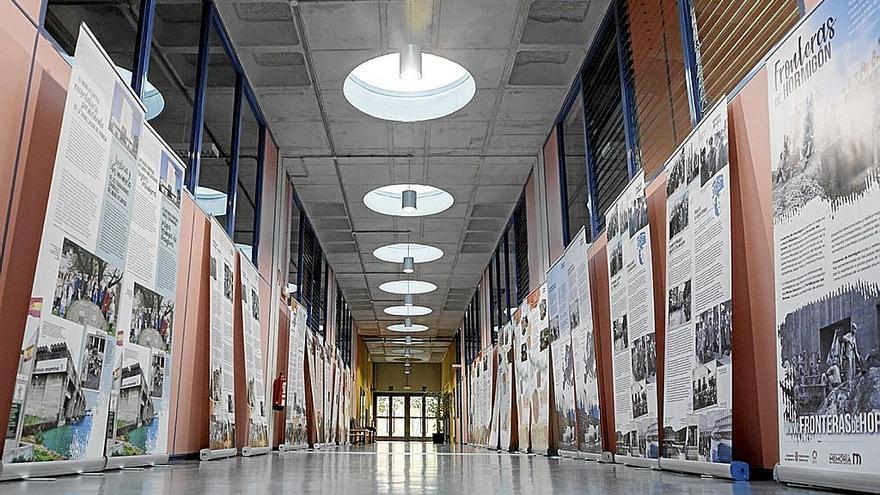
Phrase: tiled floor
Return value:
(394, 468)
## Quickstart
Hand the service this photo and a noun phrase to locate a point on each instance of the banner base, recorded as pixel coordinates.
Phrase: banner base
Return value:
(826, 478)
(290, 447)
(252, 451)
(589, 456)
(573, 454)
(210, 455)
(26, 470)
(607, 457)
(645, 462)
(121, 462)
(737, 471)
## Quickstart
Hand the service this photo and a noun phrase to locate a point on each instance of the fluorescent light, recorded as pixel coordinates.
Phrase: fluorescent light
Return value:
(415, 328)
(411, 63)
(408, 200)
(408, 310)
(211, 200)
(388, 200)
(398, 253)
(408, 287)
(409, 265)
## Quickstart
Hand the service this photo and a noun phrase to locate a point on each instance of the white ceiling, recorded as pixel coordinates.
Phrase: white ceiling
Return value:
(523, 56)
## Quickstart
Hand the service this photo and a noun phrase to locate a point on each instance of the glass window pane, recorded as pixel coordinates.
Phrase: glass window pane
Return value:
(397, 406)
(398, 427)
(292, 265)
(246, 202)
(114, 24)
(415, 427)
(382, 405)
(576, 168)
(382, 427)
(431, 406)
(431, 426)
(415, 407)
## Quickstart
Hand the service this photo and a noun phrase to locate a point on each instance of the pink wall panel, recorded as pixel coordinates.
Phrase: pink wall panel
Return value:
(27, 208)
(656, 196)
(31, 8)
(268, 212)
(554, 199)
(534, 237)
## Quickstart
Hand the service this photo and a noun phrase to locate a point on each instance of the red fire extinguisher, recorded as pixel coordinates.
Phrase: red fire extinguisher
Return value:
(279, 392)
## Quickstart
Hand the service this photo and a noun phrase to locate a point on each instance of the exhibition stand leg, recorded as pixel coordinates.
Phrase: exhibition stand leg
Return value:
(736, 470)
(826, 478)
(29, 470)
(252, 451)
(210, 455)
(289, 447)
(567, 453)
(645, 462)
(121, 462)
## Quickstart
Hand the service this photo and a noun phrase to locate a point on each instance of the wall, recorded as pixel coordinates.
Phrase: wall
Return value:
(363, 380)
(391, 375)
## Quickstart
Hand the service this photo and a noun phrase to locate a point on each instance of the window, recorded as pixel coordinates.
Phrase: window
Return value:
(575, 159)
(603, 110)
(249, 149)
(113, 24)
(295, 233)
(521, 244)
(344, 325)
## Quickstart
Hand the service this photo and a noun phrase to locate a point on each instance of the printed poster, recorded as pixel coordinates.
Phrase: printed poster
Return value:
(586, 381)
(563, 307)
(222, 378)
(139, 403)
(64, 380)
(824, 95)
(258, 414)
(632, 320)
(525, 378)
(296, 430)
(539, 357)
(698, 387)
(504, 386)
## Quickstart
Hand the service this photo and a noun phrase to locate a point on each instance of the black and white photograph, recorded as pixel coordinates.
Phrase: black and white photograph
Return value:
(615, 258)
(620, 333)
(215, 386)
(613, 224)
(545, 338)
(157, 374)
(639, 397)
(151, 319)
(831, 354)
(637, 214)
(170, 179)
(680, 306)
(126, 121)
(705, 386)
(644, 359)
(678, 214)
(87, 288)
(713, 153)
(714, 436)
(255, 305)
(93, 360)
(213, 268)
(676, 173)
(554, 329)
(574, 313)
(227, 282)
(713, 334)
(523, 353)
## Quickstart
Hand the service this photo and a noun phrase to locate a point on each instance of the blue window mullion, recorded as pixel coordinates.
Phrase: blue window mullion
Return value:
(142, 46)
(234, 146)
(195, 143)
(691, 66)
(258, 192)
(626, 94)
(563, 180)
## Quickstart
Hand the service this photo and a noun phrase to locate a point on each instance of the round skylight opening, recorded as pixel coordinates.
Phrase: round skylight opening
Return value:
(388, 200)
(408, 310)
(376, 88)
(420, 253)
(400, 327)
(408, 287)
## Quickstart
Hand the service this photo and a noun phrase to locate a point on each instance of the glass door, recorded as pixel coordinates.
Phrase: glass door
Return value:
(403, 417)
(398, 417)
(417, 417)
(432, 409)
(383, 416)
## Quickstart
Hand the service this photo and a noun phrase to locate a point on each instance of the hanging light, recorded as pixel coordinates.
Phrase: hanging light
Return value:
(409, 340)
(408, 299)
(406, 364)
(409, 265)
(407, 353)
(408, 198)
(406, 371)
(407, 322)
(411, 63)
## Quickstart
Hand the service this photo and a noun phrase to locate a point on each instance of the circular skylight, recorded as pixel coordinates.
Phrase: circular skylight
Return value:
(388, 200)
(408, 287)
(408, 311)
(394, 253)
(400, 327)
(375, 88)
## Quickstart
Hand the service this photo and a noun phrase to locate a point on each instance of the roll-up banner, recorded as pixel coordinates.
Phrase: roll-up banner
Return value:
(295, 423)
(491, 399)
(824, 97)
(222, 377)
(539, 359)
(258, 422)
(58, 418)
(632, 324)
(697, 411)
(525, 380)
(564, 314)
(586, 382)
(504, 387)
(327, 392)
(137, 428)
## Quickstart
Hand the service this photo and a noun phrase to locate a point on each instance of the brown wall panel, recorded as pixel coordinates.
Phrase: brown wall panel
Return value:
(27, 208)
(281, 365)
(267, 210)
(534, 236)
(601, 299)
(31, 8)
(755, 426)
(241, 408)
(656, 195)
(554, 198)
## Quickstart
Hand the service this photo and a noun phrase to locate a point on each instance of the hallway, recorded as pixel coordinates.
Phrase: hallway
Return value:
(395, 468)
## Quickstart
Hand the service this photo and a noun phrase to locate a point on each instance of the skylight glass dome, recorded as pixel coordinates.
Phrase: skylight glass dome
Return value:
(395, 253)
(408, 310)
(408, 287)
(388, 200)
(376, 88)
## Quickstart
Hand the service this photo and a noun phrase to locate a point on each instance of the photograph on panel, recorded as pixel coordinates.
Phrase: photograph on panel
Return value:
(680, 304)
(87, 288)
(620, 333)
(151, 319)
(705, 385)
(126, 122)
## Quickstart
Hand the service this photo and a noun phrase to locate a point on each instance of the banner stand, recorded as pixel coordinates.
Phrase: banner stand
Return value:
(736, 470)
(573, 454)
(589, 456)
(122, 462)
(288, 447)
(645, 462)
(252, 451)
(826, 478)
(210, 455)
(607, 457)
(25, 470)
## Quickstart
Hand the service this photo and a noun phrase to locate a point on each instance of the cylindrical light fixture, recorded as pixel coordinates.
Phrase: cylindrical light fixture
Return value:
(411, 63)
(409, 264)
(409, 340)
(407, 322)
(408, 199)
(407, 353)
(408, 299)
(406, 371)
(406, 364)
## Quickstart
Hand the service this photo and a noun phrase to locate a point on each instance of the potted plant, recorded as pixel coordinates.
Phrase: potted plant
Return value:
(440, 409)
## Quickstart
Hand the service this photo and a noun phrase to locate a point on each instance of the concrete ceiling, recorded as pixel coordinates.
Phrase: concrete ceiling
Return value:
(523, 55)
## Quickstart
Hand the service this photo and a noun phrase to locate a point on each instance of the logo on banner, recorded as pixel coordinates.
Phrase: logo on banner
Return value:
(641, 242)
(854, 459)
(717, 187)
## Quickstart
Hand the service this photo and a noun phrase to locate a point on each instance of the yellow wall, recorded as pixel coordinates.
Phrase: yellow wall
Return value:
(363, 382)
(422, 375)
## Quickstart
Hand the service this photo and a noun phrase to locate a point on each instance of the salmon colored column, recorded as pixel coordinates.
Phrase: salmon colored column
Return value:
(554, 198)
(656, 196)
(601, 299)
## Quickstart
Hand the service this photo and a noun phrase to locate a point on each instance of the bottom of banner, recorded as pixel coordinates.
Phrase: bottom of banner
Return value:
(827, 478)
(645, 462)
(120, 462)
(25, 470)
(210, 455)
(252, 451)
(737, 471)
